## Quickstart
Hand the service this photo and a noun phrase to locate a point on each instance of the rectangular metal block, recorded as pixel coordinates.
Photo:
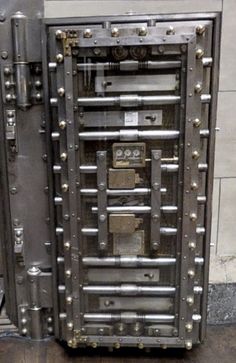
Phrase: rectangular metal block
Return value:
(122, 223)
(122, 178)
(128, 244)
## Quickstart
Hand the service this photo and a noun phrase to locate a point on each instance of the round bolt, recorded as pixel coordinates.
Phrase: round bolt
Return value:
(70, 325)
(24, 331)
(67, 245)
(38, 84)
(188, 344)
(198, 88)
(63, 156)
(107, 303)
(117, 345)
(189, 327)
(23, 321)
(49, 319)
(200, 29)
(195, 154)
(13, 190)
(61, 91)
(2, 17)
(191, 273)
(68, 273)
(157, 332)
(170, 31)
(175, 332)
(7, 71)
(94, 345)
(192, 245)
(8, 97)
(62, 124)
(196, 122)
(101, 186)
(100, 331)
(142, 31)
(102, 217)
(87, 33)
(69, 300)
(50, 330)
(59, 34)
(115, 32)
(140, 345)
(4, 54)
(70, 343)
(38, 96)
(194, 186)
(18, 233)
(155, 245)
(199, 53)
(163, 346)
(193, 217)
(65, 187)
(59, 58)
(190, 300)
(7, 84)
(102, 245)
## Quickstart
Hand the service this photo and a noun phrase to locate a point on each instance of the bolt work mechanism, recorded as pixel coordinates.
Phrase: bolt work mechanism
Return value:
(107, 150)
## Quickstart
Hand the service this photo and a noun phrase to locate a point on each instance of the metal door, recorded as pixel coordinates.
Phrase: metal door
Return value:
(130, 115)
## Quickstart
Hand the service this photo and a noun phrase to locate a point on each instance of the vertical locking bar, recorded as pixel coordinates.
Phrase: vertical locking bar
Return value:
(155, 198)
(102, 198)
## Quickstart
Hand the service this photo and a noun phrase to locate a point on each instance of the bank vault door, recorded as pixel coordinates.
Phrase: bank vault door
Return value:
(129, 110)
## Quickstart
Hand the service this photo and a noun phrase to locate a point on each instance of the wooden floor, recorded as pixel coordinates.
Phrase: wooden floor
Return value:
(220, 347)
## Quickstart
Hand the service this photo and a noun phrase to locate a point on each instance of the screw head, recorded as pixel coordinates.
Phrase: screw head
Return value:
(69, 299)
(87, 33)
(94, 345)
(59, 34)
(198, 88)
(199, 53)
(188, 344)
(61, 91)
(115, 32)
(59, 58)
(65, 187)
(170, 31)
(24, 331)
(67, 245)
(8, 97)
(142, 31)
(7, 71)
(4, 54)
(196, 122)
(194, 186)
(190, 300)
(200, 29)
(195, 155)
(191, 273)
(63, 156)
(140, 345)
(192, 245)
(189, 327)
(62, 124)
(117, 345)
(70, 325)
(68, 273)
(193, 217)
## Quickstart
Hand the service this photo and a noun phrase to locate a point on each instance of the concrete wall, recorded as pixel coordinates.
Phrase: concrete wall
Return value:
(223, 253)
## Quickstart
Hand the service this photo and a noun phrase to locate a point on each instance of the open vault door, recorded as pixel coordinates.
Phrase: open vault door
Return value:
(131, 123)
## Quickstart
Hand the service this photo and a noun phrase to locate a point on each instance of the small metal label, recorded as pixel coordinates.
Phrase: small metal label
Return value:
(131, 119)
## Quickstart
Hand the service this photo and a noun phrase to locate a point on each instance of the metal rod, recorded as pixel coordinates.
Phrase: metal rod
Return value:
(120, 192)
(133, 261)
(130, 290)
(205, 98)
(128, 100)
(130, 65)
(128, 317)
(136, 209)
(130, 135)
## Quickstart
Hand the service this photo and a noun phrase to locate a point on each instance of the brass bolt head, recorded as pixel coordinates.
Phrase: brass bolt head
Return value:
(62, 124)
(199, 53)
(87, 33)
(200, 29)
(115, 32)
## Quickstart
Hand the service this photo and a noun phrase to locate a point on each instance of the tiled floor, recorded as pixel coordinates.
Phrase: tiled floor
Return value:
(219, 347)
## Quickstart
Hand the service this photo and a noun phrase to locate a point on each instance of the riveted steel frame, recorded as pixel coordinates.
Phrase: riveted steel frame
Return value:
(190, 172)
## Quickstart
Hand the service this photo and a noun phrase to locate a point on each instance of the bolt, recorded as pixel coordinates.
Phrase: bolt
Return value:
(94, 345)
(50, 330)
(8, 97)
(67, 245)
(196, 122)
(195, 154)
(191, 273)
(117, 345)
(193, 217)
(69, 299)
(62, 124)
(7, 71)
(63, 156)
(192, 245)
(87, 33)
(70, 325)
(200, 29)
(13, 190)
(107, 303)
(59, 34)
(142, 31)
(198, 88)
(140, 345)
(61, 91)
(49, 319)
(170, 31)
(23, 321)
(59, 58)
(24, 331)
(199, 53)
(4, 54)
(68, 273)
(115, 32)
(189, 327)
(102, 217)
(188, 344)
(2, 17)
(101, 186)
(65, 187)
(190, 300)
(194, 186)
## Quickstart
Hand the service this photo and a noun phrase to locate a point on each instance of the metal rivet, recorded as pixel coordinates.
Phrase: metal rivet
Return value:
(94, 345)
(188, 344)
(191, 273)
(193, 217)
(63, 156)
(24, 331)
(61, 91)
(67, 245)
(192, 245)
(196, 122)
(59, 34)
(195, 154)
(59, 58)
(194, 186)
(87, 33)
(190, 300)
(198, 88)
(70, 325)
(68, 273)
(69, 299)
(170, 31)
(65, 187)
(142, 31)
(115, 32)
(117, 345)
(62, 124)
(8, 97)
(200, 29)
(7, 71)
(199, 53)
(189, 327)
(140, 345)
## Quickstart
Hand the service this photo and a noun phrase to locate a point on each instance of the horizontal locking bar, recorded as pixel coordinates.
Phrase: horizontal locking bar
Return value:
(130, 135)
(128, 317)
(130, 65)
(128, 101)
(134, 261)
(137, 209)
(121, 192)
